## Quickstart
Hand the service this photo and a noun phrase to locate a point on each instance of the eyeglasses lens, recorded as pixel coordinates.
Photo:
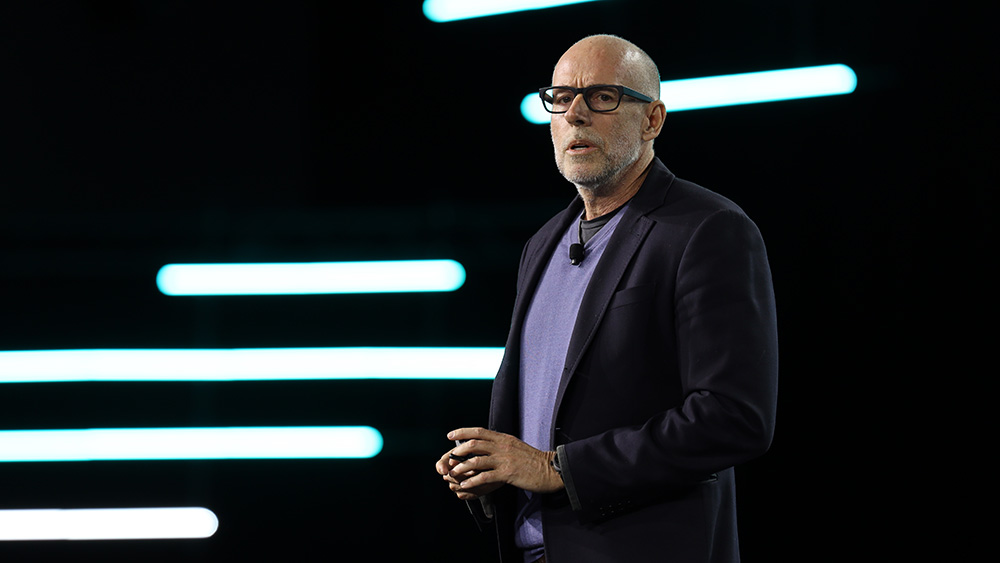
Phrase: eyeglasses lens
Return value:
(559, 100)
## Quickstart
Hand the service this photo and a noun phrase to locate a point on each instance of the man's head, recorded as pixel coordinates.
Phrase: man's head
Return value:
(602, 151)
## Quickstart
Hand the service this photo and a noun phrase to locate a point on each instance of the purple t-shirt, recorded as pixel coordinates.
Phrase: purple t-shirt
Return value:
(548, 326)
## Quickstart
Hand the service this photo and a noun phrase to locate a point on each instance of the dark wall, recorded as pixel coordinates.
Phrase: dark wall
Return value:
(135, 134)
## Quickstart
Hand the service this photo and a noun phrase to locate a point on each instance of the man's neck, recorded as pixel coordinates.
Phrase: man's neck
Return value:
(597, 204)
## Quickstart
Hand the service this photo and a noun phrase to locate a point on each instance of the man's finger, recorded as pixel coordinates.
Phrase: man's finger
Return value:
(470, 433)
(458, 477)
(445, 464)
(469, 448)
(476, 481)
(476, 464)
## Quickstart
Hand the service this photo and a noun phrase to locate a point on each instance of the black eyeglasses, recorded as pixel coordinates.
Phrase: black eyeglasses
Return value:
(599, 98)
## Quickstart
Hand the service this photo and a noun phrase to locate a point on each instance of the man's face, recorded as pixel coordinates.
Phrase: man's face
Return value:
(592, 149)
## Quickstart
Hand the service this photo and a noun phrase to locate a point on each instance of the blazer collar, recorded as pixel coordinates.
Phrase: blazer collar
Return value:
(622, 247)
(628, 235)
(650, 196)
(653, 191)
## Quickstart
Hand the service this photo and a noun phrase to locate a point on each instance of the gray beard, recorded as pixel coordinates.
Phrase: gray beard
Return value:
(604, 182)
(596, 187)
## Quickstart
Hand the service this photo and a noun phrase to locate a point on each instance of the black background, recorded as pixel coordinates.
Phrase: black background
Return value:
(136, 134)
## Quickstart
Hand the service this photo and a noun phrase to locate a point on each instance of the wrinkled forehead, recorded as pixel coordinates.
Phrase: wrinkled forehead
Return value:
(585, 66)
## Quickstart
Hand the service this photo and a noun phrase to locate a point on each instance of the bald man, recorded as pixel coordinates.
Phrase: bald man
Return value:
(641, 364)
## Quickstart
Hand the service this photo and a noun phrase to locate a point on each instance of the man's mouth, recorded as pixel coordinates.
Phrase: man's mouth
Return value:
(579, 147)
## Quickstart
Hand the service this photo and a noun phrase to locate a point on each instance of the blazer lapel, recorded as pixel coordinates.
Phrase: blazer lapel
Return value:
(503, 400)
(538, 259)
(624, 243)
(622, 246)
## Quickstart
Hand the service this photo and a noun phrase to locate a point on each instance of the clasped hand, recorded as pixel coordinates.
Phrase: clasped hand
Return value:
(499, 459)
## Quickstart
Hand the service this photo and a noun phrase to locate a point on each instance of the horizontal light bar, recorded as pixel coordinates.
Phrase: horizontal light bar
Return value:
(450, 10)
(241, 364)
(107, 524)
(123, 444)
(311, 277)
(736, 89)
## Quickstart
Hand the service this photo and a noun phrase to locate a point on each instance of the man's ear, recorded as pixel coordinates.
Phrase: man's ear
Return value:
(655, 116)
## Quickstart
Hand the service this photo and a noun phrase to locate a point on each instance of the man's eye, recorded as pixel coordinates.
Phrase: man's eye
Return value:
(561, 96)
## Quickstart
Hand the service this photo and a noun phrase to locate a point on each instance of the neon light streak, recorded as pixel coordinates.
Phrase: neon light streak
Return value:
(242, 364)
(123, 444)
(107, 524)
(450, 10)
(311, 277)
(736, 89)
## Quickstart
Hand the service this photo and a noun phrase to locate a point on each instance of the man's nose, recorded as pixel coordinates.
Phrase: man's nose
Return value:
(578, 112)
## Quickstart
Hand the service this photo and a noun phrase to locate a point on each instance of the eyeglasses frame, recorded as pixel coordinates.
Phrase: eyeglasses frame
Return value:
(622, 92)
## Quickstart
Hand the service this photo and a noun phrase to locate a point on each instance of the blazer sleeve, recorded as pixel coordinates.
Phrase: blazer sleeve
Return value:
(726, 346)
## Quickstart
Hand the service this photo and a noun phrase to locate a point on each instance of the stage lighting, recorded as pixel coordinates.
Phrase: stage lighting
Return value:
(450, 10)
(393, 276)
(107, 524)
(736, 89)
(128, 444)
(248, 364)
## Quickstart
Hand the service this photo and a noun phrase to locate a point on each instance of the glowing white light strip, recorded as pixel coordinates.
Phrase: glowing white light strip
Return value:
(311, 277)
(121, 444)
(107, 524)
(736, 89)
(241, 364)
(451, 10)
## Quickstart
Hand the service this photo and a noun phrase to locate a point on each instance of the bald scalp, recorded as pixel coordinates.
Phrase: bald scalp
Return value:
(637, 66)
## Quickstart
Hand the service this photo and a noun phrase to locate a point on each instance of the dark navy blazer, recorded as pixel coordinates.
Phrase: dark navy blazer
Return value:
(670, 380)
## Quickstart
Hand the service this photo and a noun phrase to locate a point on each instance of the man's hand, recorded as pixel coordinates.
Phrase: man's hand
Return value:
(498, 459)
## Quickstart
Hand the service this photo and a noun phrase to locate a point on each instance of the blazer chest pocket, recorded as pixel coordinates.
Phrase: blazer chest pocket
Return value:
(630, 295)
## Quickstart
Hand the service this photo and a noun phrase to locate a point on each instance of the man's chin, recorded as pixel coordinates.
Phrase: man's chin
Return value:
(593, 181)
(585, 176)
(598, 178)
